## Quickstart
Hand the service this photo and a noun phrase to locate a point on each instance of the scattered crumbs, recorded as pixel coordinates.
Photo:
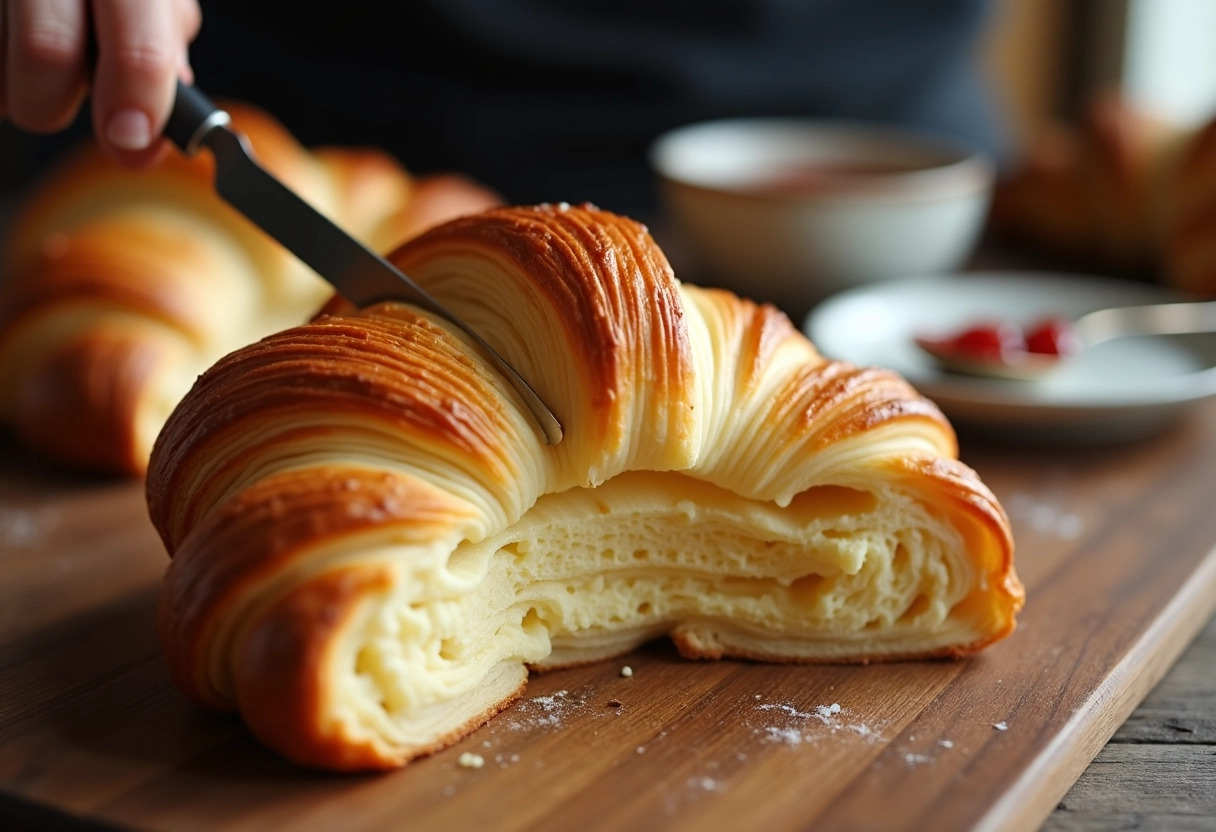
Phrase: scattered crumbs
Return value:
(504, 761)
(946, 743)
(471, 760)
(449, 790)
(1000, 726)
(614, 703)
(740, 756)
(859, 728)
(709, 784)
(641, 749)
(626, 671)
(912, 738)
(757, 696)
(485, 743)
(916, 759)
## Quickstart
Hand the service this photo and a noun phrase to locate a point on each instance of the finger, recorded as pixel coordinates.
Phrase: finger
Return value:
(45, 73)
(138, 49)
(189, 20)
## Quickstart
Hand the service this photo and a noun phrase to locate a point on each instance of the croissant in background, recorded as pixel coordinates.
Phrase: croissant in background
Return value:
(1096, 192)
(371, 543)
(1125, 190)
(120, 287)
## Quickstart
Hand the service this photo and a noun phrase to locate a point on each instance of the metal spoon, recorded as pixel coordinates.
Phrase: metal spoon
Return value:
(1089, 329)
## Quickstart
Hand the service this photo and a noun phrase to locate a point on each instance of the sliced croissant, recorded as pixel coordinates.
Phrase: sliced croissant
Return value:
(372, 544)
(121, 286)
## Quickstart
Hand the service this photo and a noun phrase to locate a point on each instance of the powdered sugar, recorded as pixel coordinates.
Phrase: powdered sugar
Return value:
(792, 726)
(789, 736)
(695, 788)
(544, 711)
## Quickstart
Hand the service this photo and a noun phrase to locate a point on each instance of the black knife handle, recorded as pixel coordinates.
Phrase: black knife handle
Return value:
(192, 117)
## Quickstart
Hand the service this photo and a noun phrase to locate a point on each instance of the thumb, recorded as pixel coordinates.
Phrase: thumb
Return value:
(139, 49)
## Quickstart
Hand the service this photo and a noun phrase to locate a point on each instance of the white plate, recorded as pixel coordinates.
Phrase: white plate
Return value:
(1116, 390)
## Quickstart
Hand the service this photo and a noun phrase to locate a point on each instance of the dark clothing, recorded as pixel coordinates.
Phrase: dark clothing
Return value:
(552, 100)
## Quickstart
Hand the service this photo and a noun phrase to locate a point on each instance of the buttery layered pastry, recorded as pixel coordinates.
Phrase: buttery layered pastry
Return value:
(119, 287)
(372, 544)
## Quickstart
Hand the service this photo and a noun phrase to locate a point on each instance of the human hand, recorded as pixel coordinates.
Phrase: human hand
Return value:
(46, 71)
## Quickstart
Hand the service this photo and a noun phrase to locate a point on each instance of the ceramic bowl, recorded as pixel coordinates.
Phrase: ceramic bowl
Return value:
(793, 210)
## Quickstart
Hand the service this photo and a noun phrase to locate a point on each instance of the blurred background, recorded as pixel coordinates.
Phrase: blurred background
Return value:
(1046, 58)
(559, 102)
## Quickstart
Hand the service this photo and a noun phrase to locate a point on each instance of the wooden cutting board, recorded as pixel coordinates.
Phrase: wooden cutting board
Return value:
(1115, 545)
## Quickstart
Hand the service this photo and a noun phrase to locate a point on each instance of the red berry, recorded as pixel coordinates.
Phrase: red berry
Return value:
(991, 341)
(1053, 336)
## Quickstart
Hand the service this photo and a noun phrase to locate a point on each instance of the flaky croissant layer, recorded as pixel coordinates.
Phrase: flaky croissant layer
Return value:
(372, 544)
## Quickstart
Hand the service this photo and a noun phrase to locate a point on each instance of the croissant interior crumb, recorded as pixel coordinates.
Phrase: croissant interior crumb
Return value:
(591, 573)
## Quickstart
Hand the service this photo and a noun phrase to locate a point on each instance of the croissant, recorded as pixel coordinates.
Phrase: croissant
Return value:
(372, 544)
(1098, 192)
(120, 287)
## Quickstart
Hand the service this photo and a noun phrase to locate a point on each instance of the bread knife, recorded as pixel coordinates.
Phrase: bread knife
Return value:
(355, 271)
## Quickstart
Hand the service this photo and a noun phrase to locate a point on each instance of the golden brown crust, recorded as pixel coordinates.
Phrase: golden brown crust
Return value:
(278, 663)
(264, 531)
(583, 270)
(88, 386)
(365, 370)
(284, 709)
(294, 457)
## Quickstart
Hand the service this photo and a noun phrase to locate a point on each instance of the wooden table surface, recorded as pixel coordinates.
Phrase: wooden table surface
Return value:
(93, 736)
(1117, 547)
(1158, 772)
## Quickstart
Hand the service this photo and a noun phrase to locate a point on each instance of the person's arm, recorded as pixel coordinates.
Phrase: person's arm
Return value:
(141, 49)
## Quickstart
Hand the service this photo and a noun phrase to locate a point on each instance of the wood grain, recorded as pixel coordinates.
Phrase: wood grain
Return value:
(1159, 770)
(1116, 546)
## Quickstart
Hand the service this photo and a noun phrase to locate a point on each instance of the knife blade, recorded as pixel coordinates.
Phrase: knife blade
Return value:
(355, 271)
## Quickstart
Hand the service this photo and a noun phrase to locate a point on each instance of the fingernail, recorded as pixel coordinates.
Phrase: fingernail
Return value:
(129, 130)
